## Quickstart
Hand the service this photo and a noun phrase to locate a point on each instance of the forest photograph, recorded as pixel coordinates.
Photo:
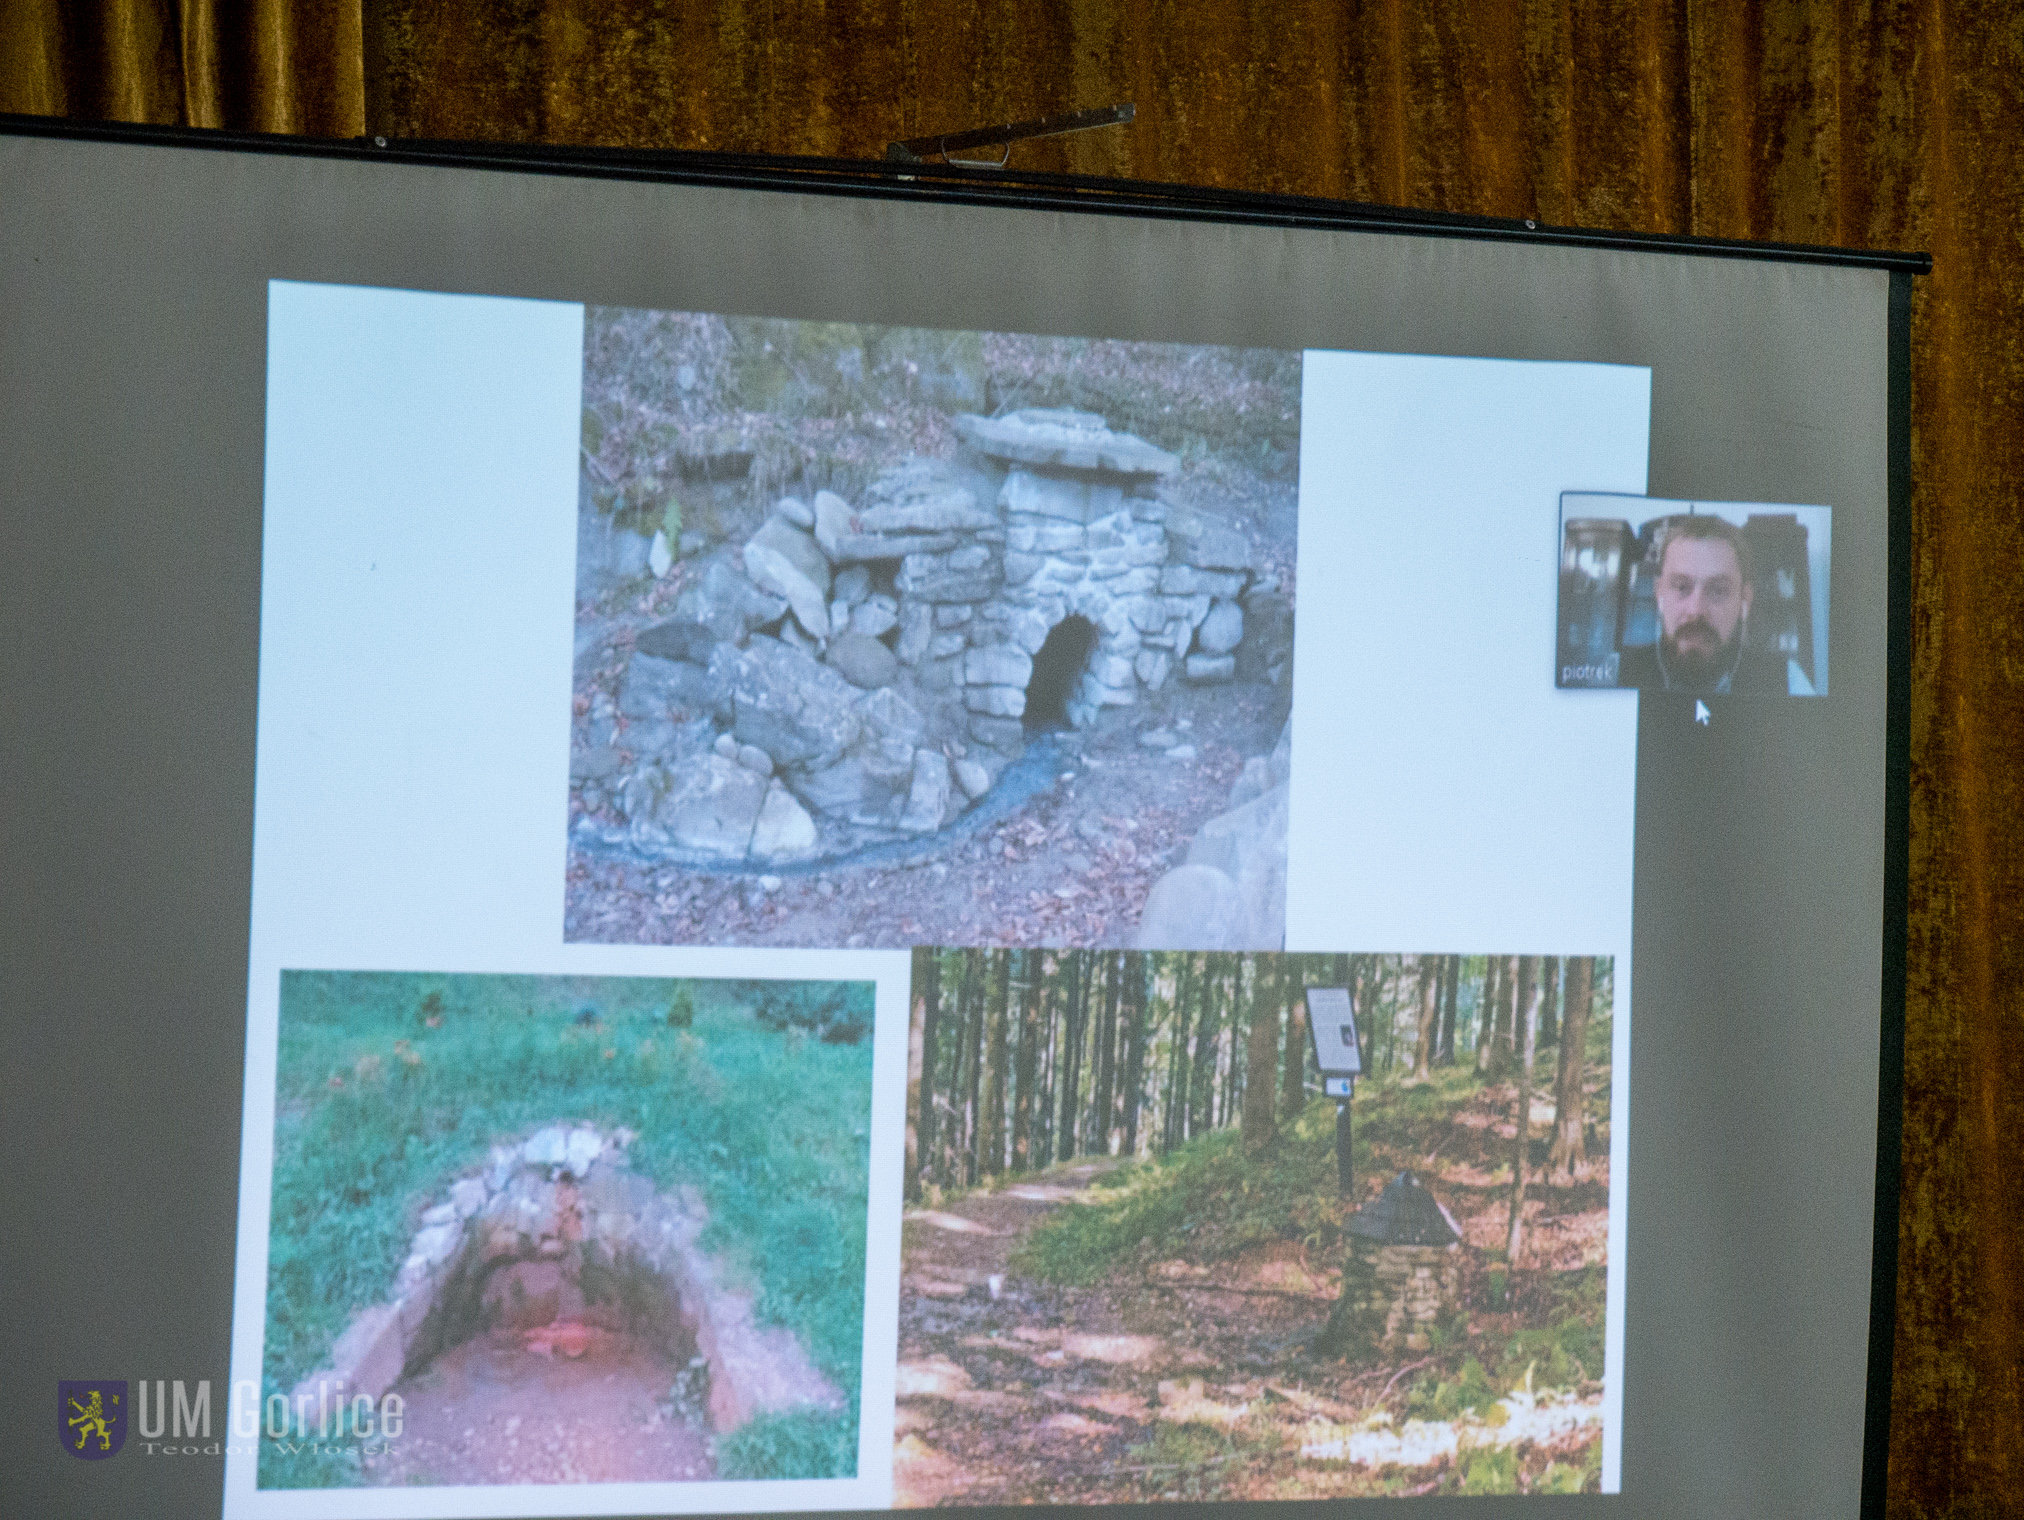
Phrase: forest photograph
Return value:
(1146, 1258)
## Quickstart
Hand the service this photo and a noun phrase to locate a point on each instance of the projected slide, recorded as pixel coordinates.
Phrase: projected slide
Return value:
(640, 690)
(1706, 598)
(887, 636)
(1234, 1314)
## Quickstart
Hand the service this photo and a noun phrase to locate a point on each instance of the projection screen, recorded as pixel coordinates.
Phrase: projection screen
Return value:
(701, 836)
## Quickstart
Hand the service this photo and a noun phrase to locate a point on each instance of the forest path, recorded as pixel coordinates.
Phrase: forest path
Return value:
(1014, 1391)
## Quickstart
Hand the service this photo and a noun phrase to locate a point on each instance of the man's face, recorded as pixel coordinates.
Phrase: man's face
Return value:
(1703, 600)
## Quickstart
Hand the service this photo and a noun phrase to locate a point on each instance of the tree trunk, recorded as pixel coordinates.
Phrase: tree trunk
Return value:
(1176, 1043)
(1027, 1066)
(1449, 1002)
(1569, 1158)
(1293, 1069)
(1103, 1110)
(1549, 1020)
(1202, 1052)
(994, 1090)
(1507, 1004)
(1525, 986)
(1219, 1073)
(1486, 1011)
(1527, 1010)
(1261, 1057)
(1070, 1059)
(1363, 999)
(1043, 1093)
(1138, 969)
(1395, 976)
(1240, 1030)
(1430, 1015)
(973, 1111)
(920, 1095)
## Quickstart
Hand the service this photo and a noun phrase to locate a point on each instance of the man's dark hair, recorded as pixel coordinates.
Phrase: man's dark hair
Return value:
(1705, 526)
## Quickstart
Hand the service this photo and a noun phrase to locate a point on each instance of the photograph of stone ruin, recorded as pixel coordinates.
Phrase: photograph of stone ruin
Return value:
(890, 636)
(1132, 1271)
(582, 1229)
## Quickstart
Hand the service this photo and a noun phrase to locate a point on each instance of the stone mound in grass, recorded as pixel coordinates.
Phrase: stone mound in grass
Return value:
(557, 1230)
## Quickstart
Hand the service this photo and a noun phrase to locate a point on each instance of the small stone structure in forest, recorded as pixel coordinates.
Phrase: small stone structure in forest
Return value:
(558, 1230)
(1402, 1274)
(864, 671)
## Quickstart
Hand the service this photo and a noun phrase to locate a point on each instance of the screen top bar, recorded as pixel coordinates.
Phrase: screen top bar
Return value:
(961, 184)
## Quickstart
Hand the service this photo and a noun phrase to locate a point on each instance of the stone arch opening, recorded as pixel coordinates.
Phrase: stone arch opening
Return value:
(558, 1244)
(1056, 670)
(559, 1289)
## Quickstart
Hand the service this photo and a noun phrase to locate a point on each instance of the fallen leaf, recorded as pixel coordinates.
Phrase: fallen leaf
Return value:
(1071, 1424)
(1187, 1404)
(936, 1377)
(1122, 1406)
(955, 1224)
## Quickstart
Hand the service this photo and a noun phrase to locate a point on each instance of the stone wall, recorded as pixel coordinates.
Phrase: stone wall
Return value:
(506, 1247)
(858, 672)
(1395, 1293)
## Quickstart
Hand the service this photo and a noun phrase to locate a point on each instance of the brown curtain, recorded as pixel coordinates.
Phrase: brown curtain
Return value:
(1881, 124)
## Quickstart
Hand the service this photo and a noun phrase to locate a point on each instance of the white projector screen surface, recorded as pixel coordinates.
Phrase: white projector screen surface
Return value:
(741, 847)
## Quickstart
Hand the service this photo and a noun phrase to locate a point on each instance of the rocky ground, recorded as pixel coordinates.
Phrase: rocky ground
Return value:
(1071, 865)
(573, 1404)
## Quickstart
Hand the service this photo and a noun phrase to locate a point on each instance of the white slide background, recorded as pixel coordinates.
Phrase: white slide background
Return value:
(417, 616)
(1445, 797)
(416, 642)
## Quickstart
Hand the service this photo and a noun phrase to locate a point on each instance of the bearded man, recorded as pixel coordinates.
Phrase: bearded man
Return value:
(1703, 592)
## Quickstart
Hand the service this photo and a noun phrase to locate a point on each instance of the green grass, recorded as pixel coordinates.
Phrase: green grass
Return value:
(795, 1444)
(1192, 1461)
(1208, 1201)
(377, 1111)
(308, 1466)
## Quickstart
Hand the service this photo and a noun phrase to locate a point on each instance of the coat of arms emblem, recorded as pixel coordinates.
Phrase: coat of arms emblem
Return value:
(91, 1418)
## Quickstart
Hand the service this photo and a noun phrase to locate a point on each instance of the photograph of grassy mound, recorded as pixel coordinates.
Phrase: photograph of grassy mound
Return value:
(582, 1229)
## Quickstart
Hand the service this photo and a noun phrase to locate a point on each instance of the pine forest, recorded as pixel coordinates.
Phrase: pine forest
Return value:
(1147, 1258)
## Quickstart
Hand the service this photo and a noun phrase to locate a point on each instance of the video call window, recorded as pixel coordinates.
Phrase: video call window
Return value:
(1708, 598)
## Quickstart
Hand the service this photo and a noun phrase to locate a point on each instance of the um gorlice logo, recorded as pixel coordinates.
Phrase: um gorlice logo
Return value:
(173, 1419)
(91, 1418)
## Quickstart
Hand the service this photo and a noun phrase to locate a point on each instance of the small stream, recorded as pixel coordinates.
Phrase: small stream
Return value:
(1048, 754)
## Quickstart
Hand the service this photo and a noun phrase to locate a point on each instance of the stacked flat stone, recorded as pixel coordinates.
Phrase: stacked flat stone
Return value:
(1409, 1288)
(1085, 535)
(793, 687)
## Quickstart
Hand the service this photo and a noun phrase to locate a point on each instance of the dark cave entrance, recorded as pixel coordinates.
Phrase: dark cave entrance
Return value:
(1055, 671)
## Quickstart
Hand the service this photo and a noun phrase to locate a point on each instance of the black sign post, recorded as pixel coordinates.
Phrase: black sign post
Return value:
(1331, 1023)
